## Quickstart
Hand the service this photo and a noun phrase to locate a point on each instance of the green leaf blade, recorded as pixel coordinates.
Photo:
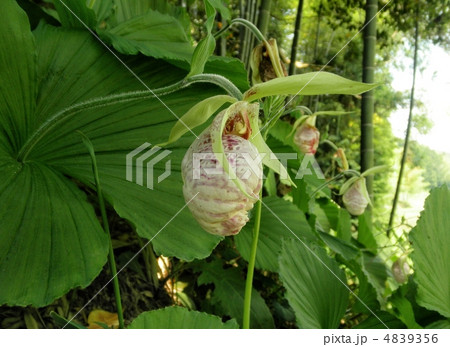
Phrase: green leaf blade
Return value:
(36, 253)
(18, 77)
(228, 295)
(75, 14)
(179, 318)
(153, 34)
(202, 52)
(272, 232)
(312, 83)
(318, 297)
(431, 256)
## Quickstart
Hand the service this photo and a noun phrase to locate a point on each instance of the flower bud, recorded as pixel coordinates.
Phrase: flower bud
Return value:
(264, 67)
(356, 198)
(400, 270)
(219, 206)
(307, 138)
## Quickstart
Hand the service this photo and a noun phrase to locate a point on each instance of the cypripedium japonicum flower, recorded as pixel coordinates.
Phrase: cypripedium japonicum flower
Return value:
(307, 138)
(306, 135)
(400, 270)
(356, 198)
(218, 204)
(222, 169)
(237, 145)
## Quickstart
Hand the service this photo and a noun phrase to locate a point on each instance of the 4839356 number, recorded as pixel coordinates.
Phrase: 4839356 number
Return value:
(411, 338)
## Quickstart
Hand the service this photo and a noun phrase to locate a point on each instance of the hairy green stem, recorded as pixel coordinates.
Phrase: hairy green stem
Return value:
(109, 100)
(218, 80)
(241, 21)
(101, 202)
(251, 268)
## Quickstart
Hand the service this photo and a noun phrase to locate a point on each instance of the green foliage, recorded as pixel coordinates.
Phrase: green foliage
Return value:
(278, 218)
(41, 152)
(436, 166)
(430, 239)
(373, 322)
(228, 294)
(59, 80)
(180, 318)
(315, 285)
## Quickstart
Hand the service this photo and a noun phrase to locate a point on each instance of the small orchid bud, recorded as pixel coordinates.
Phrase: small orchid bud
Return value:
(340, 153)
(356, 198)
(266, 66)
(400, 270)
(216, 202)
(307, 138)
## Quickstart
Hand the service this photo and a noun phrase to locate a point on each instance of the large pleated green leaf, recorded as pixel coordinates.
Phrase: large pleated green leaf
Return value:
(314, 285)
(154, 34)
(50, 240)
(50, 237)
(431, 239)
(115, 131)
(127, 9)
(75, 13)
(180, 318)
(279, 217)
(17, 76)
(150, 27)
(154, 28)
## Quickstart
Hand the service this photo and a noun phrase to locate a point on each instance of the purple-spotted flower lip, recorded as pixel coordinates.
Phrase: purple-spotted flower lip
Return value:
(219, 206)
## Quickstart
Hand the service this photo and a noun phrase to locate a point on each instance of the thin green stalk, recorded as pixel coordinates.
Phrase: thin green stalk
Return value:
(101, 201)
(408, 128)
(251, 268)
(55, 120)
(249, 25)
(218, 80)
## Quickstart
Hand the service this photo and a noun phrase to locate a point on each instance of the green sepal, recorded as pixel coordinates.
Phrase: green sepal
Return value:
(347, 184)
(202, 52)
(374, 170)
(216, 131)
(297, 123)
(269, 159)
(312, 83)
(196, 116)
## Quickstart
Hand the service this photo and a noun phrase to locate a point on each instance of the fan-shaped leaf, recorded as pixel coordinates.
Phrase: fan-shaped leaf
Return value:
(272, 232)
(50, 239)
(18, 77)
(314, 285)
(228, 295)
(431, 256)
(180, 318)
(154, 34)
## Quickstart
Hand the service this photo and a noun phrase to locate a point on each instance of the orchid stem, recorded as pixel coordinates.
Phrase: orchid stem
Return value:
(54, 121)
(101, 202)
(251, 268)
